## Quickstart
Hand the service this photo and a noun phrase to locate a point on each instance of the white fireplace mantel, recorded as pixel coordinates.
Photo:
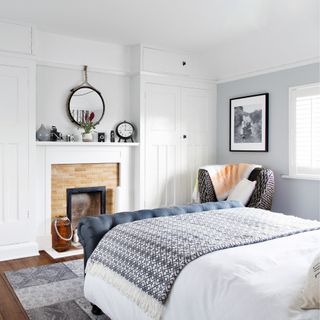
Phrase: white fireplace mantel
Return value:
(49, 153)
(86, 144)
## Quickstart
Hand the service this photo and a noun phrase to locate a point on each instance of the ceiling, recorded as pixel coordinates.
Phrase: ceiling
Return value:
(193, 25)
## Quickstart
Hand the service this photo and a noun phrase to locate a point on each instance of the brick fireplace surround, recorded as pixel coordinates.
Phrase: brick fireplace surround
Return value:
(82, 175)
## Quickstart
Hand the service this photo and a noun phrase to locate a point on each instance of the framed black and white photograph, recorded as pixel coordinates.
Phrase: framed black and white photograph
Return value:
(249, 123)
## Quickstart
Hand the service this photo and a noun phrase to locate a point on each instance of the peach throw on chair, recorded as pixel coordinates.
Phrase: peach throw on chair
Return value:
(225, 177)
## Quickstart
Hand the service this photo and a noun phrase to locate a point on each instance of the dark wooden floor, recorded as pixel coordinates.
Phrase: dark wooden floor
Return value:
(10, 307)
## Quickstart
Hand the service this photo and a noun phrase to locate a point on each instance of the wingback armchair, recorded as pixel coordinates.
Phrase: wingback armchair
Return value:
(262, 194)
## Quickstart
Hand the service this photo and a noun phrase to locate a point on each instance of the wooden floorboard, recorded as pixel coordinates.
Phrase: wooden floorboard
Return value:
(10, 306)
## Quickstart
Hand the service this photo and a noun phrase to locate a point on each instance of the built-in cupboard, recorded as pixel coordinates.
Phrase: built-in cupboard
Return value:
(17, 223)
(178, 140)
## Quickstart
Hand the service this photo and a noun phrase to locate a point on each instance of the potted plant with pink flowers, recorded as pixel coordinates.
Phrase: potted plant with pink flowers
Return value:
(87, 125)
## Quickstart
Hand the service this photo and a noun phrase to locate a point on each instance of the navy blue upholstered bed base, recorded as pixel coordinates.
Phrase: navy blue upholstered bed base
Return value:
(92, 229)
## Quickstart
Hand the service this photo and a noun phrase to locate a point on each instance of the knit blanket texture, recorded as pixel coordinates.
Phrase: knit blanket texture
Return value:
(142, 259)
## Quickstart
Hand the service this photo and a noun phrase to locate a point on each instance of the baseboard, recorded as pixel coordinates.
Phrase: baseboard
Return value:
(16, 251)
(44, 242)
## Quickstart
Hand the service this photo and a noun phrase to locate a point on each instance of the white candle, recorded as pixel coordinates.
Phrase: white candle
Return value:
(75, 236)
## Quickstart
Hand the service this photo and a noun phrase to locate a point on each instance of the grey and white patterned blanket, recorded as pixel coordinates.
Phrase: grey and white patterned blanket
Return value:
(142, 259)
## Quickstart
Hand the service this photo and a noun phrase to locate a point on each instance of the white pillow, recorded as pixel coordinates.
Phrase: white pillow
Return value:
(311, 292)
(242, 191)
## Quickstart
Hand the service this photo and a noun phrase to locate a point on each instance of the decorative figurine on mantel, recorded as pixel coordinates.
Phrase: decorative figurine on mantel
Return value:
(87, 124)
(54, 134)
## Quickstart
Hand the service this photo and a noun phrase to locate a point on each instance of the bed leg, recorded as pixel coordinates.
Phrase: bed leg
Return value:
(95, 310)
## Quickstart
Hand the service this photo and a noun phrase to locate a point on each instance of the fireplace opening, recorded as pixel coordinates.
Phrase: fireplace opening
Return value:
(82, 202)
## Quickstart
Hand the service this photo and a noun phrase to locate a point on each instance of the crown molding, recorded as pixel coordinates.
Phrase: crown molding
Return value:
(269, 70)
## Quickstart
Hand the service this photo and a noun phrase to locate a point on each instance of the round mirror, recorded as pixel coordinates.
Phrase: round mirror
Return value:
(82, 102)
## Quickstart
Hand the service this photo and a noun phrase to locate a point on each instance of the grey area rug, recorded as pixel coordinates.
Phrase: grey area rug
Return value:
(53, 291)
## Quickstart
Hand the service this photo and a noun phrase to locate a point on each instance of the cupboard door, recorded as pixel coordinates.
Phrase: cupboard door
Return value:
(162, 145)
(162, 61)
(14, 100)
(194, 137)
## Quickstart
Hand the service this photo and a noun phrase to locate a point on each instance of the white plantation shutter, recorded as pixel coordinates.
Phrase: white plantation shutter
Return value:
(305, 131)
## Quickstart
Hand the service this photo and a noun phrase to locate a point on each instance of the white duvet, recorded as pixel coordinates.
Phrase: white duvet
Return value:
(262, 281)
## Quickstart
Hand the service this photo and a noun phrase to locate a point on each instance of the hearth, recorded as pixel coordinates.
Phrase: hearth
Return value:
(81, 202)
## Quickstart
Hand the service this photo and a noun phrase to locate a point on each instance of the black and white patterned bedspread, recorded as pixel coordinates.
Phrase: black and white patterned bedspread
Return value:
(142, 259)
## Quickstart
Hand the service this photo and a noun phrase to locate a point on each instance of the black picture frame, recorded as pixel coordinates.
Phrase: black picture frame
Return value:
(101, 137)
(249, 123)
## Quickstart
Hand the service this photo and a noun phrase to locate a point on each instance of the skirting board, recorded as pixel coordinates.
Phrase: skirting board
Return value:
(16, 251)
(44, 242)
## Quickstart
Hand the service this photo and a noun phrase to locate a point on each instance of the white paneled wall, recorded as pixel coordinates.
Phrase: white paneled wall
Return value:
(177, 143)
(159, 90)
(16, 38)
(63, 51)
(16, 198)
(162, 148)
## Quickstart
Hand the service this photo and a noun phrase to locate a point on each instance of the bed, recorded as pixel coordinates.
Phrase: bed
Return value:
(256, 280)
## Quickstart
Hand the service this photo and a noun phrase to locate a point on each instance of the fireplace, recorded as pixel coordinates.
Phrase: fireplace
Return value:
(82, 202)
(83, 189)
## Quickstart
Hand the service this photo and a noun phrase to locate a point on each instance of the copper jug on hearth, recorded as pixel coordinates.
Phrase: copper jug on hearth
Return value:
(61, 233)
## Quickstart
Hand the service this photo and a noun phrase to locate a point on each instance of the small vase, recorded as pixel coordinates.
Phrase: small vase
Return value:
(87, 137)
(43, 134)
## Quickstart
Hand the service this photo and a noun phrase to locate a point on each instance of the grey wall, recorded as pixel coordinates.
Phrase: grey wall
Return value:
(299, 197)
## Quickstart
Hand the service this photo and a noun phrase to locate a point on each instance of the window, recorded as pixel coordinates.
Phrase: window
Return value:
(304, 112)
